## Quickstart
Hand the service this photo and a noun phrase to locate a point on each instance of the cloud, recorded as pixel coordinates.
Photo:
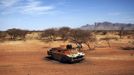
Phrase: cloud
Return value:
(36, 7)
(8, 3)
(27, 7)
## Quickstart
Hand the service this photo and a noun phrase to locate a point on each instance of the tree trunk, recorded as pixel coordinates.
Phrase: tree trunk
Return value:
(88, 45)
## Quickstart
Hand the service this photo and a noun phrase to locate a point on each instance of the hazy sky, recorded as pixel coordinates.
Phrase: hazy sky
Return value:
(42, 14)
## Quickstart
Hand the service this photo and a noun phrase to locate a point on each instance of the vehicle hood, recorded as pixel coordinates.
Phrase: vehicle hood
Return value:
(76, 54)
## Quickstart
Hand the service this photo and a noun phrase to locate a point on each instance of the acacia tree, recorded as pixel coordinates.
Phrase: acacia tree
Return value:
(64, 33)
(2, 35)
(49, 34)
(85, 37)
(15, 33)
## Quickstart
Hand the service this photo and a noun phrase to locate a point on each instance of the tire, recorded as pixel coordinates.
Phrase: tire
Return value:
(52, 56)
(63, 60)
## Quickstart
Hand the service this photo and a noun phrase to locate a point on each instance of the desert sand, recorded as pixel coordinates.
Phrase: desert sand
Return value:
(29, 58)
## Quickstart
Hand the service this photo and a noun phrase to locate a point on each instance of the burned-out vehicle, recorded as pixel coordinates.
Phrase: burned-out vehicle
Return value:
(66, 55)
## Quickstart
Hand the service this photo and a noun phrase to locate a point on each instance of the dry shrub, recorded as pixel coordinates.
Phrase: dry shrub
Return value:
(108, 38)
(130, 46)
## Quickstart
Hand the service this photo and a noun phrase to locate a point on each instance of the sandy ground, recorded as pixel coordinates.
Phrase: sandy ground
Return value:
(29, 58)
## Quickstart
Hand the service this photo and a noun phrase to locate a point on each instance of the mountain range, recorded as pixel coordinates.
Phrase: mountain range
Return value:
(108, 26)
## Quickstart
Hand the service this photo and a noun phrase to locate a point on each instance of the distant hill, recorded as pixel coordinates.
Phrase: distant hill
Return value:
(108, 26)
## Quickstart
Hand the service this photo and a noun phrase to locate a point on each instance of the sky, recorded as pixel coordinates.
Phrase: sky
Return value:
(43, 14)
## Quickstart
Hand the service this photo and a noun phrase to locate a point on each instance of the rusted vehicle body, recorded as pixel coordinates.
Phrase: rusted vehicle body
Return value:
(66, 55)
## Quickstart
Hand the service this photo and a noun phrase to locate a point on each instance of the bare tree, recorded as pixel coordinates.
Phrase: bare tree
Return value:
(108, 38)
(121, 32)
(82, 36)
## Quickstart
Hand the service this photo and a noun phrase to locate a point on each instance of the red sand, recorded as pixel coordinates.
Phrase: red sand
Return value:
(29, 59)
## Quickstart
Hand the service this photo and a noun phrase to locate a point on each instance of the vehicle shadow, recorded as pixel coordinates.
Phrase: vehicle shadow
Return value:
(49, 58)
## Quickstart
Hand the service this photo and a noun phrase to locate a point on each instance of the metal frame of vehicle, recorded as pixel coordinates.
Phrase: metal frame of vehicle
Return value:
(61, 55)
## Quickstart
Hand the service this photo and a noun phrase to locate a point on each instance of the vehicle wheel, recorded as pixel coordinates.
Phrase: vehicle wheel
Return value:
(63, 60)
(52, 57)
